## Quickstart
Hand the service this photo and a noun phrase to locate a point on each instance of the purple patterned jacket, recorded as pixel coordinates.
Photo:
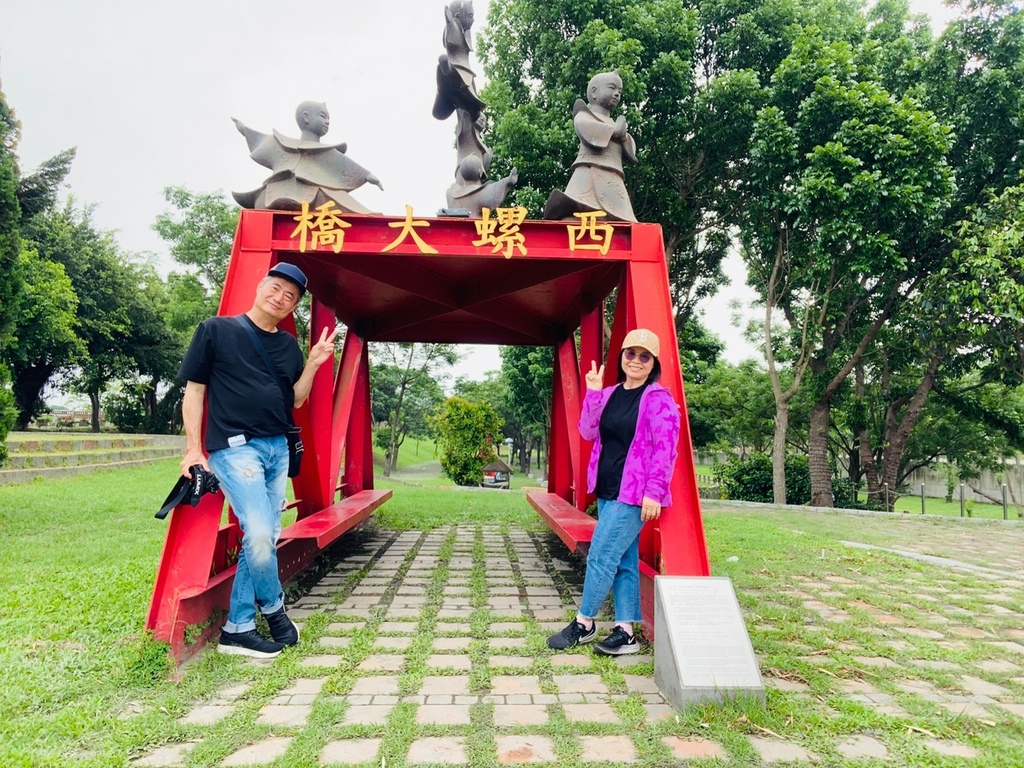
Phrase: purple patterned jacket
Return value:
(651, 458)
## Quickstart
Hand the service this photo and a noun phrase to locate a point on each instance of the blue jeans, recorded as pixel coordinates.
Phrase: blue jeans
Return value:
(613, 562)
(253, 477)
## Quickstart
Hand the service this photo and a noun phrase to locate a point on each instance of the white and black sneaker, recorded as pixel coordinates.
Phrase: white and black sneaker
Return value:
(618, 643)
(251, 644)
(282, 629)
(573, 635)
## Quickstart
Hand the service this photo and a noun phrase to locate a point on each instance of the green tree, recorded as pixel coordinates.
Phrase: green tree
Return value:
(10, 279)
(404, 389)
(45, 338)
(466, 433)
(732, 408)
(527, 374)
(200, 231)
(540, 55)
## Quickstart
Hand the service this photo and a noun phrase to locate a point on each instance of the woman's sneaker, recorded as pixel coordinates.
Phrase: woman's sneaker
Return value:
(573, 635)
(282, 629)
(251, 644)
(619, 642)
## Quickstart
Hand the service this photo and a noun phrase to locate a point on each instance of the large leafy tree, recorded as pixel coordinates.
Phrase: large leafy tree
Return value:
(200, 230)
(404, 389)
(527, 374)
(45, 338)
(539, 57)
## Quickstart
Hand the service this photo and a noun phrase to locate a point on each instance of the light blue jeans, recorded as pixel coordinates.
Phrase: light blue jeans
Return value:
(613, 562)
(254, 477)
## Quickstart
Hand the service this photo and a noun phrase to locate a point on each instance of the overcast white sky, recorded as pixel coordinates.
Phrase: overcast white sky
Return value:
(146, 91)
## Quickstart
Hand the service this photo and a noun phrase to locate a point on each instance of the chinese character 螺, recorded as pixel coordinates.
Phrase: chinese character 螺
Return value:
(502, 232)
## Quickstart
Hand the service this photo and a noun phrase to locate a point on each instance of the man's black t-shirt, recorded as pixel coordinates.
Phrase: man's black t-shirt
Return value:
(243, 398)
(618, 426)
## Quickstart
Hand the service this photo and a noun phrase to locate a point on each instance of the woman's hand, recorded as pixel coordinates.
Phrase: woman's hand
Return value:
(650, 510)
(595, 376)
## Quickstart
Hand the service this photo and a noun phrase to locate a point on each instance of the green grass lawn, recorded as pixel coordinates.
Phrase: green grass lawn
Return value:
(84, 686)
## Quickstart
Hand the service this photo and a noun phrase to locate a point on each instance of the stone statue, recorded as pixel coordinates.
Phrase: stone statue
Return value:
(456, 93)
(597, 182)
(304, 170)
(471, 193)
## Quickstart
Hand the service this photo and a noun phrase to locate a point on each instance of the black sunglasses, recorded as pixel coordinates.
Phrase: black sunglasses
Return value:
(645, 357)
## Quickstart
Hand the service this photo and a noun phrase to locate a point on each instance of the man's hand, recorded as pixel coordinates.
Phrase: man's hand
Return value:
(323, 350)
(650, 510)
(595, 376)
(191, 458)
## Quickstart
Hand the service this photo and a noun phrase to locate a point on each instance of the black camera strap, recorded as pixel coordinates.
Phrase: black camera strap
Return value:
(244, 322)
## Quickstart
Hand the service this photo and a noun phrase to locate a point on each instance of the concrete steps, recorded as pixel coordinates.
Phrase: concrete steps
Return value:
(43, 454)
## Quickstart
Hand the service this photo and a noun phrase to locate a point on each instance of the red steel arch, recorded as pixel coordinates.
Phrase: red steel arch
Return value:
(497, 280)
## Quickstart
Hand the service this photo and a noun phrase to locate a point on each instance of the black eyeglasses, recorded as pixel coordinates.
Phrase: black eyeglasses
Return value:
(645, 357)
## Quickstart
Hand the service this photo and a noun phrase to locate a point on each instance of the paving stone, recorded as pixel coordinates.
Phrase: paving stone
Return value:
(856, 686)
(207, 714)
(933, 664)
(1013, 709)
(972, 632)
(506, 685)
(951, 748)
(928, 634)
(693, 749)
(510, 715)
(580, 684)
(965, 709)
(455, 685)
(231, 694)
(510, 661)
(862, 747)
(345, 626)
(305, 686)
(776, 750)
(496, 643)
(350, 751)
(403, 627)
(875, 661)
(169, 756)
(443, 714)
(376, 686)
(449, 661)
(656, 712)
(329, 641)
(381, 662)
(367, 714)
(288, 715)
(262, 753)
(571, 660)
(999, 665)
(614, 749)
(392, 643)
(979, 687)
(445, 750)
(513, 750)
(451, 643)
(785, 685)
(640, 684)
(326, 660)
(590, 713)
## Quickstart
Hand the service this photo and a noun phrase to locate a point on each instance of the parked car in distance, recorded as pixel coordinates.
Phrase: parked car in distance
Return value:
(496, 474)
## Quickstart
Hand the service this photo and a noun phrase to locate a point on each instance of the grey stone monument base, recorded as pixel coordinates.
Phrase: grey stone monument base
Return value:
(702, 652)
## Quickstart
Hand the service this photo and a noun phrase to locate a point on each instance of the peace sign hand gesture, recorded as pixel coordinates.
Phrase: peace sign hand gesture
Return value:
(595, 376)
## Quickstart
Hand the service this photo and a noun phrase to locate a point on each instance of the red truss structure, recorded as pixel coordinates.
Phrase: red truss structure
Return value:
(496, 280)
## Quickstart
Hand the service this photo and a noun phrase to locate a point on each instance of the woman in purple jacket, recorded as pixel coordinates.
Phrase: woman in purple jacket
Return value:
(635, 427)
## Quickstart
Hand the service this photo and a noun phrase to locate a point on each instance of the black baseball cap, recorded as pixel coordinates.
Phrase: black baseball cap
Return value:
(291, 273)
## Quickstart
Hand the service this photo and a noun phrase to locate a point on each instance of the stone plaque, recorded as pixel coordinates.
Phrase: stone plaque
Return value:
(702, 652)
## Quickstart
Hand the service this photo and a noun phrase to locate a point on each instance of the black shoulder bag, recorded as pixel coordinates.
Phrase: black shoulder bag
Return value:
(294, 441)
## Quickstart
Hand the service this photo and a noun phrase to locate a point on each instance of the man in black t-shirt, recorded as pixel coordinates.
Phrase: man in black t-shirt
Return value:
(249, 410)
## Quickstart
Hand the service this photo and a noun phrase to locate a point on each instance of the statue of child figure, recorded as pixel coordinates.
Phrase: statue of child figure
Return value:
(597, 182)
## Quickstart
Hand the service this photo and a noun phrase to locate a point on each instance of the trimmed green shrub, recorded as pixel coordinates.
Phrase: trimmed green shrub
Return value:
(750, 479)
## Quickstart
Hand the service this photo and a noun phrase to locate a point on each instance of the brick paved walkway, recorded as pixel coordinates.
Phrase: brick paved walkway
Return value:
(440, 637)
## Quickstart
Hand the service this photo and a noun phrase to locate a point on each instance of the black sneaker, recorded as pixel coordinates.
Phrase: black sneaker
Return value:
(281, 627)
(619, 642)
(573, 635)
(250, 643)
